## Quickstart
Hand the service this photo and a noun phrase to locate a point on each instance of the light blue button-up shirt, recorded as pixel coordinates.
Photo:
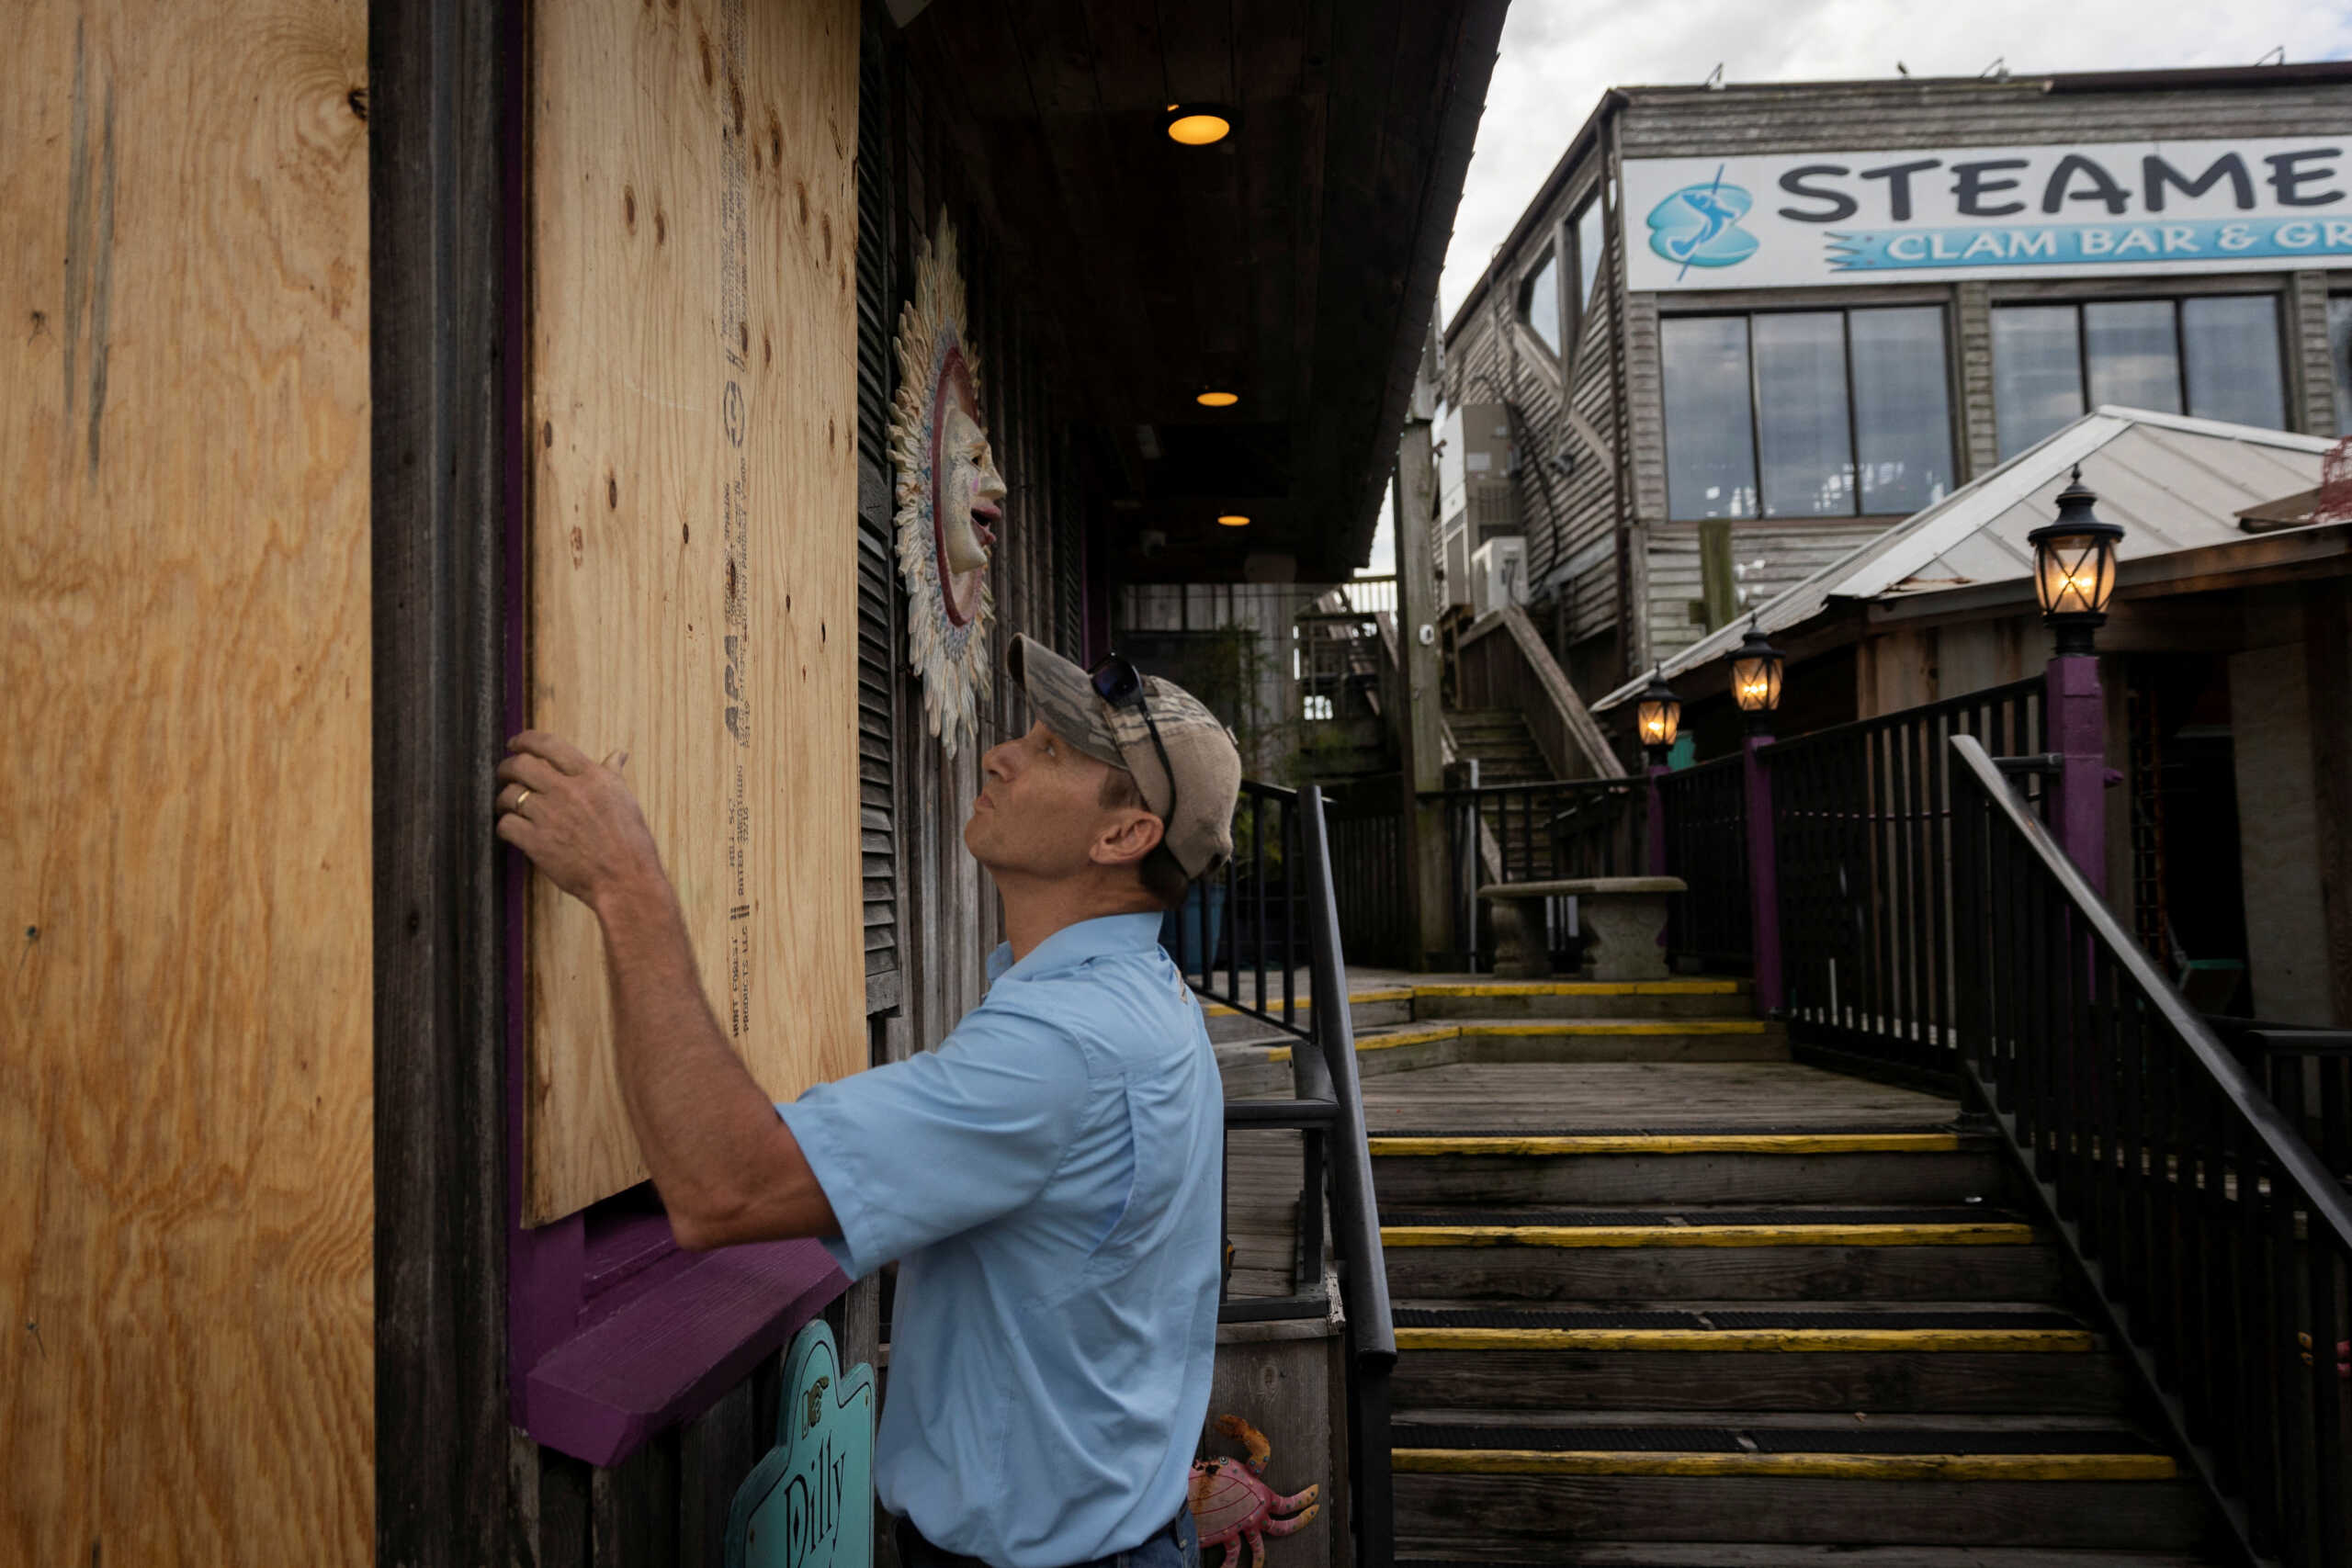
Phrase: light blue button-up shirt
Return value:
(1048, 1179)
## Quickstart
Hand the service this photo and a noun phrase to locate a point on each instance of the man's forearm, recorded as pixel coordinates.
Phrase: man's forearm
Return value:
(726, 1167)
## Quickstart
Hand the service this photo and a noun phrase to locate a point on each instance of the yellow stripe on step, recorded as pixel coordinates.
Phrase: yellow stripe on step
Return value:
(1990, 1232)
(1390, 1039)
(1822, 1466)
(1580, 988)
(1588, 1026)
(1868, 1340)
(1676, 1143)
(1455, 989)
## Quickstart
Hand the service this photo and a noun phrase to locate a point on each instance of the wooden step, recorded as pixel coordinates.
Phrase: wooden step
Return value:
(1886, 1358)
(1920, 1167)
(1788, 1253)
(1787, 1554)
(1571, 998)
(1437, 1510)
(1449, 1042)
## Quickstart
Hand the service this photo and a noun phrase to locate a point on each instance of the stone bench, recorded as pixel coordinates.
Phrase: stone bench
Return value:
(1623, 920)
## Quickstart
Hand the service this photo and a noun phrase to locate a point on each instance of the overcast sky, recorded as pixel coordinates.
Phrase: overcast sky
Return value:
(1559, 55)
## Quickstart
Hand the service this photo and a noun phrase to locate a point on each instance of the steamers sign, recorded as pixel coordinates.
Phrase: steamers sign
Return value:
(2104, 208)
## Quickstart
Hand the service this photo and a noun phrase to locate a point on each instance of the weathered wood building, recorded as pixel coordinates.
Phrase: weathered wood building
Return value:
(390, 377)
(1740, 331)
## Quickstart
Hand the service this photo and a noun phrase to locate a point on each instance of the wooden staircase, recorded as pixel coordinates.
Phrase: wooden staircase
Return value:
(1499, 740)
(1665, 1299)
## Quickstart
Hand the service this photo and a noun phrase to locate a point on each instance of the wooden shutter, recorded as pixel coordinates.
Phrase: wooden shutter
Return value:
(878, 606)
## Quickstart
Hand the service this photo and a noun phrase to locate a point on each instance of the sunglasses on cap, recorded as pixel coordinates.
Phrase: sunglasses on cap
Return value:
(1116, 682)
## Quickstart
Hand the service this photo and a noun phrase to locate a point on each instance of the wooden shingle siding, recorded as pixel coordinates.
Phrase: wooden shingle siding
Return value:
(1973, 337)
(1790, 551)
(2310, 365)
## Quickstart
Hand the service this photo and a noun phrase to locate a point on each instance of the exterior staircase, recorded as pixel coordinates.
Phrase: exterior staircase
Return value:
(1501, 743)
(1665, 1299)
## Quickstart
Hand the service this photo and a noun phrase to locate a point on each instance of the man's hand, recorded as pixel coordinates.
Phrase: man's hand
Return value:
(577, 821)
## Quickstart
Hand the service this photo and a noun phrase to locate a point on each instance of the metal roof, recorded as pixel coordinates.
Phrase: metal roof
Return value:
(2175, 483)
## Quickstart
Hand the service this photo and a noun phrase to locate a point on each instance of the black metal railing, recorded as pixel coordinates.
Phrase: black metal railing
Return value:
(1706, 845)
(1862, 848)
(1366, 821)
(1540, 833)
(2219, 1242)
(2307, 1073)
(1279, 909)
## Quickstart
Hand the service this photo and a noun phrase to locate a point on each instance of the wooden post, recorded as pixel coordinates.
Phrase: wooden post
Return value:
(1420, 722)
(2078, 725)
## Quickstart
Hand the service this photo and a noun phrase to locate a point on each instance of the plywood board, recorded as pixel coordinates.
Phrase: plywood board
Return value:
(693, 525)
(187, 1370)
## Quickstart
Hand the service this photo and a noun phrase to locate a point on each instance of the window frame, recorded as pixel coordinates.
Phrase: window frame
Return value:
(2179, 302)
(1550, 255)
(1747, 314)
(2339, 384)
(1572, 276)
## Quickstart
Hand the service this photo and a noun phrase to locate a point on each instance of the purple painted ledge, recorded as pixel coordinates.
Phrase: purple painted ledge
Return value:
(671, 1353)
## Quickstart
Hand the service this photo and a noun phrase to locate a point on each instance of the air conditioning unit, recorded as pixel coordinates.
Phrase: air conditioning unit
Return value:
(1498, 576)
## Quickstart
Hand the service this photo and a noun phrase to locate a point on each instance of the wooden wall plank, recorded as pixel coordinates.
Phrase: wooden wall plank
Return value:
(693, 569)
(184, 1087)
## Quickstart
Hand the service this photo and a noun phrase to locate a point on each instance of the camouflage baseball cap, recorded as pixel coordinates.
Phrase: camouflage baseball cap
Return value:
(1200, 752)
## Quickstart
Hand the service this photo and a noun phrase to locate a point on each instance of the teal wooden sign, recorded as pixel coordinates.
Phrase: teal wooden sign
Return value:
(809, 1503)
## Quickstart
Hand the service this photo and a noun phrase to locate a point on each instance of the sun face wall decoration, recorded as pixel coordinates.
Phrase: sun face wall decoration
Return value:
(950, 495)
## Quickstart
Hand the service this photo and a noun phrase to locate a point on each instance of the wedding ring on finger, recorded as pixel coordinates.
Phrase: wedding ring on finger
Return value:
(517, 807)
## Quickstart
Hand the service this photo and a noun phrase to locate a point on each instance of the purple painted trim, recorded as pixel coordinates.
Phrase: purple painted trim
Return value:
(1763, 876)
(669, 1355)
(2076, 718)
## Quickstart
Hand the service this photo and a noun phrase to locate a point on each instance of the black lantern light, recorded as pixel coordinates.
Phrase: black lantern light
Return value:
(2074, 566)
(1657, 713)
(1756, 668)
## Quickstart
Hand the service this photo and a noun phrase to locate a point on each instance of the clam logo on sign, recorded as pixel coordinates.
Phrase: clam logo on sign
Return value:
(1699, 225)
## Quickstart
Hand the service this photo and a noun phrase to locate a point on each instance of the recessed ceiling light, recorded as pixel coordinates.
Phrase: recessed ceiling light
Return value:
(1198, 125)
(1234, 520)
(1216, 399)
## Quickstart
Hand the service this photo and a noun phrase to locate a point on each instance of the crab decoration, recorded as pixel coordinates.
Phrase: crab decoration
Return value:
(1230, 1504)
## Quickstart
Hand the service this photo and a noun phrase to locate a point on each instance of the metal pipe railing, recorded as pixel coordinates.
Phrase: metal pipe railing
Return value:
(1326, 1108)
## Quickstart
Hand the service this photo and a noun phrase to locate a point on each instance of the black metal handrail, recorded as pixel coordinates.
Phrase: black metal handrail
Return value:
(1539, 832)
(1705, 808)
(1861, 823)
(1326, 1109)
(2219, 1244)
(2307, 1072)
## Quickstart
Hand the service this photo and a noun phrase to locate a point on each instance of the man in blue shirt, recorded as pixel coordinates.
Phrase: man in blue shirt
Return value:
(1048, 1178)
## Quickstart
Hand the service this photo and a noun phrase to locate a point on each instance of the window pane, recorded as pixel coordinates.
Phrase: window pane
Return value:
(2340, 344)
(1592, 246)
(1902, 408)
(2037, 374)
(2233, 350)
(2133, 359)
(1801, 430)
(1539, 302)
(1710, 454)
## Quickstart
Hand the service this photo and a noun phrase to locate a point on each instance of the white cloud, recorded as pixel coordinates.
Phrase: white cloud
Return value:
(1558, 56)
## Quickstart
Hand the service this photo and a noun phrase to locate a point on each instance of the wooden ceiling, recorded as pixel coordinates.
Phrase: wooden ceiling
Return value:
(1295, 263)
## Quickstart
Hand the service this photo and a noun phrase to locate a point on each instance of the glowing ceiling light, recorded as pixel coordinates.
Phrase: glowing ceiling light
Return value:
(1234, 520)
(1198, 125)
(1213, 400)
